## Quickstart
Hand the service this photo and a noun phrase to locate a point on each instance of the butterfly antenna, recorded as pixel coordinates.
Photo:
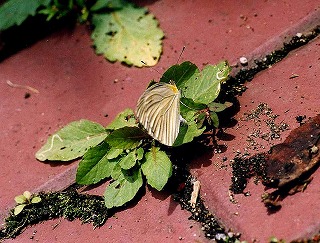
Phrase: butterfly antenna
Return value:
(143, 62)
(175, 66)
(180, 55)
(183, 48)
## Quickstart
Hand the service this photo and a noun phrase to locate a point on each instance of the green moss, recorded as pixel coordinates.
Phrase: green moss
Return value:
(68, 204)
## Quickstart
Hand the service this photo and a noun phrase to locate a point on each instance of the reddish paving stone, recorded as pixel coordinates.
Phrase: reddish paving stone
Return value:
(74, 84)
(216, 30)
(155, 217)
(288, 98)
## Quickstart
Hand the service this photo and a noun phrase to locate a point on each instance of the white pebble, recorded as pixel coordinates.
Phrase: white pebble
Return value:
(243, 61)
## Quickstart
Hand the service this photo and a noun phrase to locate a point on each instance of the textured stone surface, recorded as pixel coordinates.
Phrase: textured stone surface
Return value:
(74, 83)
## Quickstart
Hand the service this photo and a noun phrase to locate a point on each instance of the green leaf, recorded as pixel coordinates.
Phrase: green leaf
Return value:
(114, 153)
(214, 119)
(200, 119)
(27, 195)
(218, 107)
(124, 189)
(14, 12)
(128, 161)
(72, 141)
(139, 153)
(197, 87)
(95, 165)
(180, 74)
(157, 168)
(20, 199)
(126, 137)
(188, 131)
(128, 35)
(19, 208)
(123, 119)
(205, 87)
(187, 107)
(36, 199)
(109, 4)
(116, 172)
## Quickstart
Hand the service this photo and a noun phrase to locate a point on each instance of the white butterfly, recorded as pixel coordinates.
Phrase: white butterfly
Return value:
(158, 110)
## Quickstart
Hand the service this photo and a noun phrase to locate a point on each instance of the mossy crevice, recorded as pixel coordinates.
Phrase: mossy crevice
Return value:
(235, 85)
(68, 204)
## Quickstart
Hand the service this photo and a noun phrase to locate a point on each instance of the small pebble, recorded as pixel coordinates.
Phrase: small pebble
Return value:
(220, 236)
(243, 61)
(314, 149)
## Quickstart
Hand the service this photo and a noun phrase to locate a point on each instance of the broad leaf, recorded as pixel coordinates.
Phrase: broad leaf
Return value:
(128, 161)
(72, 141)
(123, 189)
(205, 87)
(180, 74)
(218, 107)
(14, 12)
(95, 166)
(187, 106)
(139, 153)
(126, 137)
(201, 117)
(123, 119)
(128, 35)
(157, 168)
(108, 4)
(214, 119)
(188, 131)
(114, 153)
(116, 172)
(195, 86)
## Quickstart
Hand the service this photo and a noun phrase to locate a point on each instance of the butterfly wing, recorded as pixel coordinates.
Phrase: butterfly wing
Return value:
(158, 110)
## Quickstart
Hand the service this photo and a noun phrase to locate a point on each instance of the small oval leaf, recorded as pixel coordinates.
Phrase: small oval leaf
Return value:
(36, 199)
(20, 199)
(19, 208)
(27, 195)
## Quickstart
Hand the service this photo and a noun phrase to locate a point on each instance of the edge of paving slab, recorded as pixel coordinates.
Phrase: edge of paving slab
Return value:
(304, 26)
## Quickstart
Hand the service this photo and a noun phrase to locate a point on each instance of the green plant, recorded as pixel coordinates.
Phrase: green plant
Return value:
(23, 200)
(276, 240)
(121, 31)
(124, 152)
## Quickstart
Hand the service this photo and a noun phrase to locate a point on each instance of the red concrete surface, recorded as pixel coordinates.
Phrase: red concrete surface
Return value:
(156, 216)
(74, 83)
(299, 216)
